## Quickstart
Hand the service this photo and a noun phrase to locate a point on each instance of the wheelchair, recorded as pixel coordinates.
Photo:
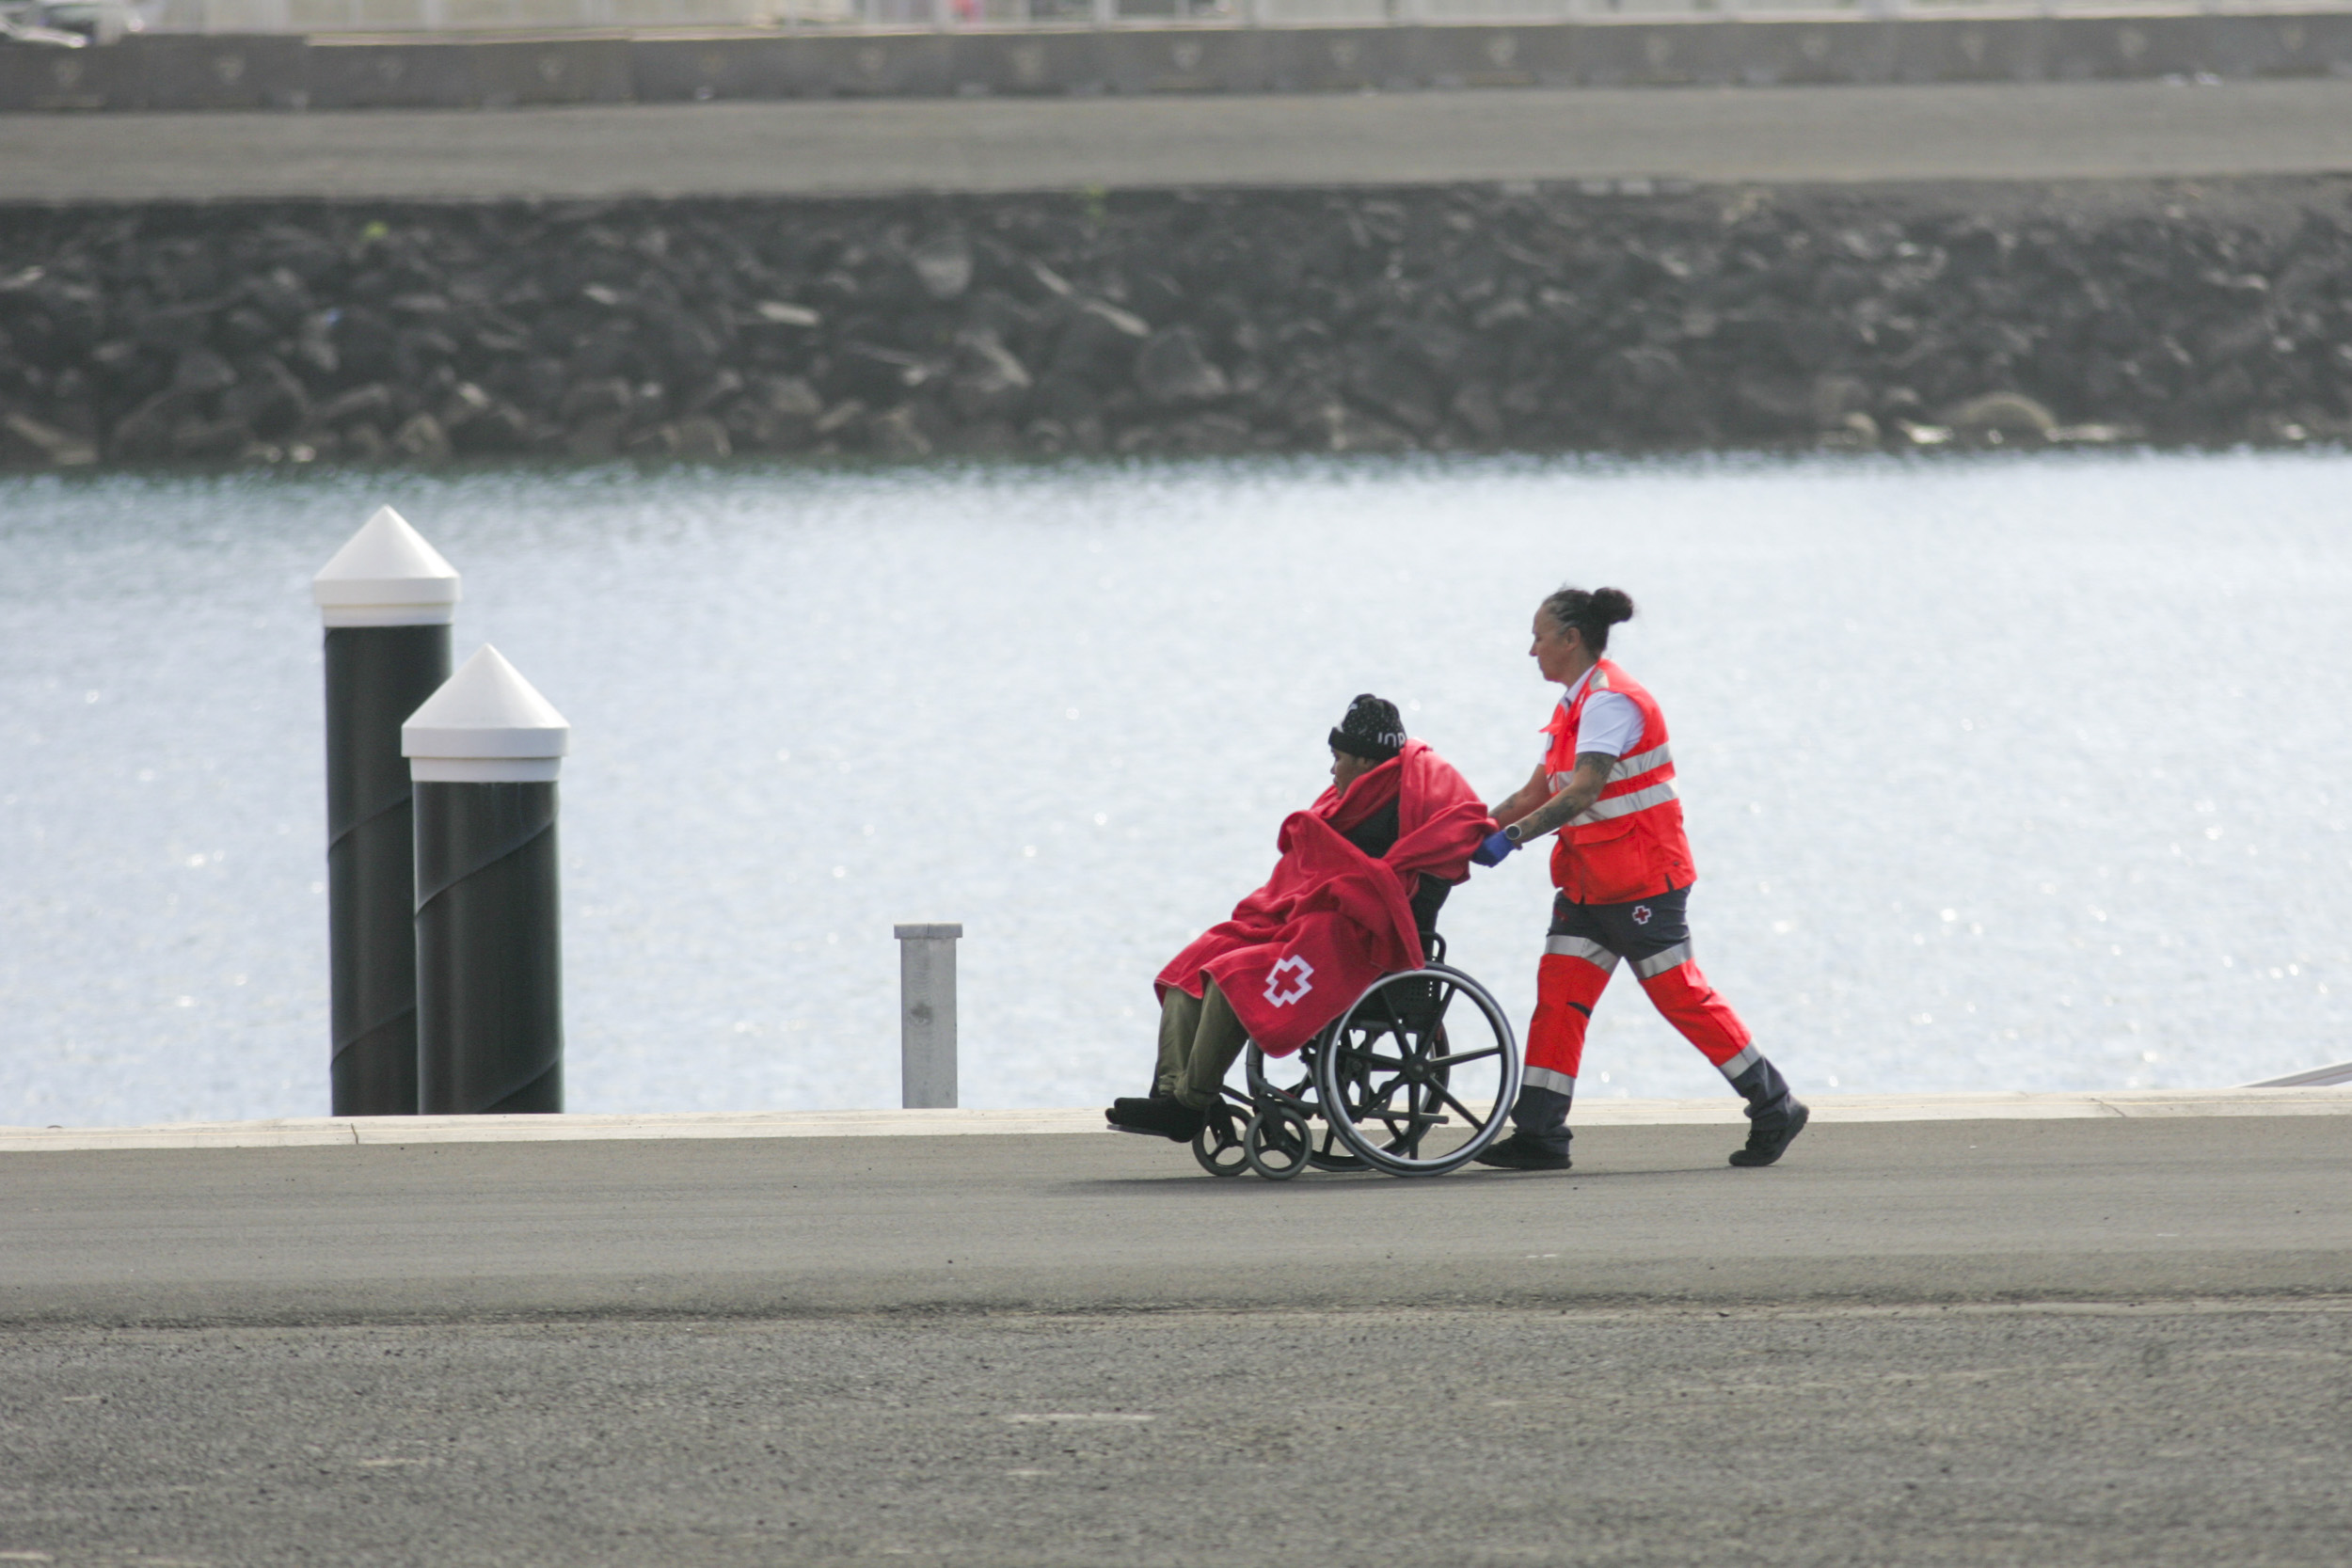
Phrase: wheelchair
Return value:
(1420, 1052)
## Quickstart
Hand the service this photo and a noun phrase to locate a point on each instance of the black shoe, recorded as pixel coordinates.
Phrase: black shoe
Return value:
(1520, 1153)
(1119, 1113)
(1769, 1136)
(1169, 1119)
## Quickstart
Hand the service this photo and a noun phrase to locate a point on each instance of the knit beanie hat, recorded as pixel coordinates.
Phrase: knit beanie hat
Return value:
(1373, 729)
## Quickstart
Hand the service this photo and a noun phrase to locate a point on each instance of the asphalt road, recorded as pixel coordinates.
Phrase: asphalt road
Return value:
(2040, 131)
(1889, 1214)
(2136, 1437)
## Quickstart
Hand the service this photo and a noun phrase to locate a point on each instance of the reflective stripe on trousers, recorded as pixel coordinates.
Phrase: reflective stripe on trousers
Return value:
(1544, 1078)
(1658, 963)
(1581, 947)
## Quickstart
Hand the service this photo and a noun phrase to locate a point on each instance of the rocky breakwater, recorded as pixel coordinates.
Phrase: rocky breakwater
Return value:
(1182, 323)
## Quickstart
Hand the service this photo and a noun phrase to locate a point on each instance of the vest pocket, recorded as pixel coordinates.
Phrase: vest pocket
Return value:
(1607, 867)
(1582, 833)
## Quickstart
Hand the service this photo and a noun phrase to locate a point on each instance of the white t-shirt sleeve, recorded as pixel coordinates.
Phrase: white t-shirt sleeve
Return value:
(1609, 723)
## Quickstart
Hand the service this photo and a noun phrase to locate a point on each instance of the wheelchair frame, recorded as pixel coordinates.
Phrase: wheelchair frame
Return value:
(1376, 1108)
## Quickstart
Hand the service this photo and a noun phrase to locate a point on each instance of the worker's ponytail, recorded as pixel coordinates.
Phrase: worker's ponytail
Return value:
(1590, 613)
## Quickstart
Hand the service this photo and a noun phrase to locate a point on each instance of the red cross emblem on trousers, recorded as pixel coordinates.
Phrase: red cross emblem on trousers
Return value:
(1641, 914)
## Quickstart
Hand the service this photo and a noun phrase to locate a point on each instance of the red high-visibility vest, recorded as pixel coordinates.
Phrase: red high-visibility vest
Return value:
(1629, 843)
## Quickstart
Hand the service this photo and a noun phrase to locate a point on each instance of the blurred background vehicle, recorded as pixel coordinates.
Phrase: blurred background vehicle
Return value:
(68, 23)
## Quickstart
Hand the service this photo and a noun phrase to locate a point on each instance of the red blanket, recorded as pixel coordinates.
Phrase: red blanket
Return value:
(1331, 920)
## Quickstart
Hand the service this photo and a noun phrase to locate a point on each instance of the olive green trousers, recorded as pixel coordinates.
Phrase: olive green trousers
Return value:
(1199, 1042)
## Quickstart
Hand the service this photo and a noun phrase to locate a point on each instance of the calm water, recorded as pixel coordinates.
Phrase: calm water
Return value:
(2025, 773)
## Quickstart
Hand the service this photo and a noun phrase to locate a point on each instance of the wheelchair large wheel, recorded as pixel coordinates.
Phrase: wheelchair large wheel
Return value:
(1325, 1149)
(1421, 1073)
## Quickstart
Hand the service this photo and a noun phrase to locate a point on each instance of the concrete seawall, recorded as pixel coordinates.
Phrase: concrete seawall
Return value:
(1981, 131)
(273, 71)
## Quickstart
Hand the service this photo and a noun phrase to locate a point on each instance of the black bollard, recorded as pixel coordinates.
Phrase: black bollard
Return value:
(387, 599)
(484, 752)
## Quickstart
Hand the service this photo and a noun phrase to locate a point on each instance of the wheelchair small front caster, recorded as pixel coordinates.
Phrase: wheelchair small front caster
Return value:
(1217, 1145)
(1276, 1143)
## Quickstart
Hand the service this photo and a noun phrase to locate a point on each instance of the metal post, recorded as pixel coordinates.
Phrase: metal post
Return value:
(927, 1015)
(485, 751)
(387, 599)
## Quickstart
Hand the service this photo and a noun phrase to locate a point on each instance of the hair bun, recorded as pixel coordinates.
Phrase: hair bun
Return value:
(1589, 612)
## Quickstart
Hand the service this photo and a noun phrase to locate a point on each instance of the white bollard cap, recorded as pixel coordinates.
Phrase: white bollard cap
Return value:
(386, 575)
(486, 724)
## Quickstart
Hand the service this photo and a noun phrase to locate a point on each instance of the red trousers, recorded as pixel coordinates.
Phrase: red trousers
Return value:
(1585, 944)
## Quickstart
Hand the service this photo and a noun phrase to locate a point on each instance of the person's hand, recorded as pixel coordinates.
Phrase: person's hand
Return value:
(1498, 844)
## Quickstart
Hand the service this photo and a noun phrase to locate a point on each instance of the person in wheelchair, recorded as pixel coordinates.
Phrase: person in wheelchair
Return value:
(1354, 896)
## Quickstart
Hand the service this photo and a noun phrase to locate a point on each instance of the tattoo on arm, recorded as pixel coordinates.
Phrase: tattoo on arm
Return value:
(1522, 799)
(1582, 788)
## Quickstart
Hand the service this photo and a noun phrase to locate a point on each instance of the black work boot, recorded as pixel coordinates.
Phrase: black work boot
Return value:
(1539, 1139)
(1169, 1119)
(1775, 1116)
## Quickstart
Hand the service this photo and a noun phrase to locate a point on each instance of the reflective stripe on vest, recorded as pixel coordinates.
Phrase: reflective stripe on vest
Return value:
(1641, 762)
(1615, 806)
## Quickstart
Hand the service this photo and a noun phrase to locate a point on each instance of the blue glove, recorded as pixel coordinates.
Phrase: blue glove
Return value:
(1491, 852)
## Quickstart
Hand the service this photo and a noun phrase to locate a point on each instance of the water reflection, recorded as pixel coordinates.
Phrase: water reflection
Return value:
(2017, 773)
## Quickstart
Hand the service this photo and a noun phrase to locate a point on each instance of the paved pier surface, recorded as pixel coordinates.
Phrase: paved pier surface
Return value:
(2123, 1340)
(2329, 1096)
(2044, 131)
(2119, 1208)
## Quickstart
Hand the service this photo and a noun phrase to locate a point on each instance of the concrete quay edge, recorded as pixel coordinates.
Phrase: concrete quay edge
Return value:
(293, 72)
(317, 1131)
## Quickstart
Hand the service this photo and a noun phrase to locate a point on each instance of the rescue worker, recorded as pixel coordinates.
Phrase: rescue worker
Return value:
(1623, 868)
